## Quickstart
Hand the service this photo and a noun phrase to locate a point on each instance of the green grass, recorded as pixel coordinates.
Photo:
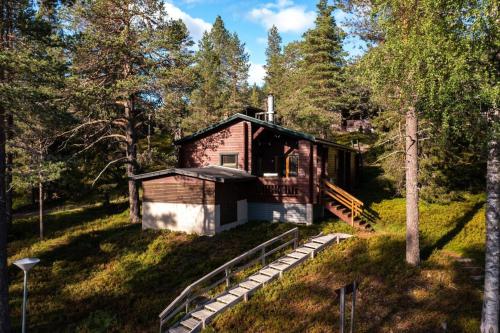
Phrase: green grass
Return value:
(393, 297)
(99, 273)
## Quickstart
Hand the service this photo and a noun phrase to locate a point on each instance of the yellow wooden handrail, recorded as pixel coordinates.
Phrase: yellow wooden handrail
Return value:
(345, 198)
(343, 192)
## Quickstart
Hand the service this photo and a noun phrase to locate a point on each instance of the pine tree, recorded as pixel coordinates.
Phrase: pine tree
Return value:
(222, 73)
(118, 64)
(322, 70)
(257, 97)
(274, 64)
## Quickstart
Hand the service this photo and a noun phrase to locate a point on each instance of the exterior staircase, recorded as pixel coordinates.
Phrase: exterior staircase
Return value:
(347, 207)
(182, 316)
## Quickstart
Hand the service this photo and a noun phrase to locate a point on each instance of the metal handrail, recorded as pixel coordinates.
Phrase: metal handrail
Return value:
(182, 300)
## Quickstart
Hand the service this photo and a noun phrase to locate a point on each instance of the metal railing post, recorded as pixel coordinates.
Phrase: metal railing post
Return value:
(342, 309)
(296, 239)
(228, 272)
(353, 305)
(263, 255)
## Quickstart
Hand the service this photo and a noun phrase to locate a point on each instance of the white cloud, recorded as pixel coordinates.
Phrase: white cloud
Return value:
(196, 26)
(262, 40)
(285, 15)
(256, 74)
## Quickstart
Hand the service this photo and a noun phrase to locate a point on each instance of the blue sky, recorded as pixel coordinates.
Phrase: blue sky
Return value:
(251, 20)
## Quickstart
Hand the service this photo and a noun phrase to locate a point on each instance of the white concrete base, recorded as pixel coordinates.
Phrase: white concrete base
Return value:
(190, 218)
(198, 219)
(282, 212)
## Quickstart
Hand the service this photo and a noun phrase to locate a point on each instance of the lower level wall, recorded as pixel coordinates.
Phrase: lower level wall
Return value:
(242, 207)
(190, 218)
(282, 212)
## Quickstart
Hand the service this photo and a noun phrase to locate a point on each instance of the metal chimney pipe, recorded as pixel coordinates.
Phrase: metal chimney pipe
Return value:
(270, 108)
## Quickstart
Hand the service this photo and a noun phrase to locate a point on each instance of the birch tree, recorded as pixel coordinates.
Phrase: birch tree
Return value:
(486, 43)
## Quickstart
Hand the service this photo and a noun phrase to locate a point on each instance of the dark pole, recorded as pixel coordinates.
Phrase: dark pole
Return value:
(354, 286)
(342, 309)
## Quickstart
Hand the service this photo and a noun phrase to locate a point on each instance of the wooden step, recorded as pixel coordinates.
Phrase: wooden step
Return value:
(215, 306)
(239, 291)
(203, 314)
(227, 298)
(250, 284)
(324, 239)
(191, 323)
(288, 260)
(297, 255)
(197, 318)
(344, 214)
(260, 278)
(280, 266)
(179, 329)
(313, 245)
(305, 250)
(269, 271)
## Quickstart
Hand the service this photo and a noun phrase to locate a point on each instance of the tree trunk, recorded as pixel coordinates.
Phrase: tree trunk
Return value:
(40, 207)
(412, 237)
(4, 282)
(133, 189)
(8, 178)
(491, 302)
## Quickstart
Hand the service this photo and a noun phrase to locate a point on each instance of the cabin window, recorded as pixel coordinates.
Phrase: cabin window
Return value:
(292, 166)
(229, 160)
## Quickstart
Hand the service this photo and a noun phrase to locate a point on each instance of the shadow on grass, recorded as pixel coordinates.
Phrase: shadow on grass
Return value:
(123, 277)
(446, 238)
(59, 222)
(392, 297)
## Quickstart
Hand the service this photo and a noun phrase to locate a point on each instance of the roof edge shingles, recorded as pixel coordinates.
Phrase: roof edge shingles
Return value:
(212, 173)
(239, 116)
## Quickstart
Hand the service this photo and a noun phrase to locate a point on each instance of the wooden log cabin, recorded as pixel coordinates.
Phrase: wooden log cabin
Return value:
(248, 167)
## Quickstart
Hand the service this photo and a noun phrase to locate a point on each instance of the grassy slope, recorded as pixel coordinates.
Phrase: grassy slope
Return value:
(393, 297)
(98, 271)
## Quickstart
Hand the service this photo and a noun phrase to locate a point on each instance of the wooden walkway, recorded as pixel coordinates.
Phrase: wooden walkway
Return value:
(195, 320)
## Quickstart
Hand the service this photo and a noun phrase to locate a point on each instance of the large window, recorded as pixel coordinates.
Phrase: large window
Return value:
(291, 166)
(229, 160)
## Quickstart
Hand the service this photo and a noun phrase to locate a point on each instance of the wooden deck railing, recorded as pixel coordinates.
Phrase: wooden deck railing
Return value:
(224, 273)
(349, 201)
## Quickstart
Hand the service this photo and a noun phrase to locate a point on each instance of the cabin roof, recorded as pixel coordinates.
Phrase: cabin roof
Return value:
(213, 173)
(278, 128)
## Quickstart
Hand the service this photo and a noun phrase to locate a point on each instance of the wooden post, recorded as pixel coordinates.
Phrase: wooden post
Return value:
(342, 309)
(227, 277)
(352, 212)
(353, 305)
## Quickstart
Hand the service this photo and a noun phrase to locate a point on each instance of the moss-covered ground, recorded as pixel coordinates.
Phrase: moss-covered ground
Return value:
(98, 273)
(438, 296)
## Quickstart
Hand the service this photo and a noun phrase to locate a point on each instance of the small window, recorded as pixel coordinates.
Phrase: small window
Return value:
(229, 160)
(292, 166)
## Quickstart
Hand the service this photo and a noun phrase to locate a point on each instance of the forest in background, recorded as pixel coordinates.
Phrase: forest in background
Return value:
(93, 92)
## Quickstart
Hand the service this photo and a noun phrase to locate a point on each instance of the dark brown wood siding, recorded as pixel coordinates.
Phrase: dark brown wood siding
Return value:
(206, 150)
(179, 189)
(288, 190)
